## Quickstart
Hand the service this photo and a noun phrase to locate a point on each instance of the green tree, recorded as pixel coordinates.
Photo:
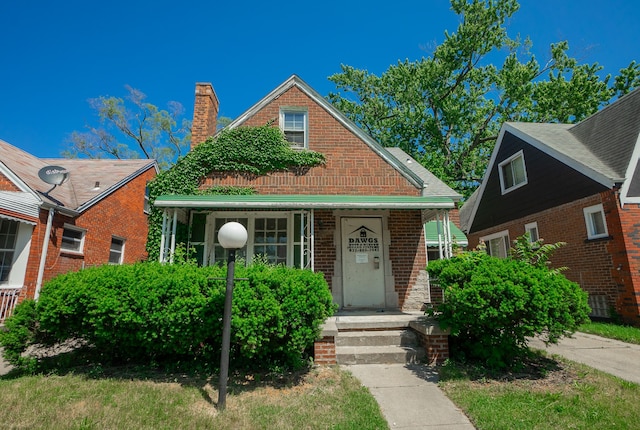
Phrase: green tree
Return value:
(133, 128)
(446, 109)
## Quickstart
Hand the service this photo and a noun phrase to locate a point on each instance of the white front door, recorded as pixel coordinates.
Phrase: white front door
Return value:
(362, 263)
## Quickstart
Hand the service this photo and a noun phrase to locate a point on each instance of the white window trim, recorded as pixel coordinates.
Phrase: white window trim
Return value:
(588, 211)
(532, 226)
(503, 233)
(124, 243)
(251, 218)
(146, 205)
(507, 161)
(301, 110)
(20, 257)
(82, 239)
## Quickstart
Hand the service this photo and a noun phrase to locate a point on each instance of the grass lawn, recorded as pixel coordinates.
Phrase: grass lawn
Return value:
(321, 398)
(613, 331)
(546, 394)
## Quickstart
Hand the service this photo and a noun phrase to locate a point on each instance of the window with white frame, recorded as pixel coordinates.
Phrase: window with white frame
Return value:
(497, 244)
(72, 239)
(513, 173)
(595, 221)
(278, 237)
(116, 252)
(532, 229)
(294, 125)
(8, 235)
(147, 205)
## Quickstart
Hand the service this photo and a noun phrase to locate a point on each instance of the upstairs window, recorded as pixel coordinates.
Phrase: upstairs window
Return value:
(513, 173)
(116, 252)
(72, 239)
(596, 222)
(294, 125)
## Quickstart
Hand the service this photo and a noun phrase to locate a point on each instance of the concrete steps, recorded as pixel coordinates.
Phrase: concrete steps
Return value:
(378, 347)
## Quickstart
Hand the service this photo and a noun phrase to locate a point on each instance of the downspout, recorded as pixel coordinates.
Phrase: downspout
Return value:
(43, 254)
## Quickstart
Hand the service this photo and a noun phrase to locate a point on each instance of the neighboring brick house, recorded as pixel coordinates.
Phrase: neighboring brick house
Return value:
(574, 183)
(96, 216)
(359, 219)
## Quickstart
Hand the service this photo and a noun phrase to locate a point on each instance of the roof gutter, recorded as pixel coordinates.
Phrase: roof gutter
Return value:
(300, 205)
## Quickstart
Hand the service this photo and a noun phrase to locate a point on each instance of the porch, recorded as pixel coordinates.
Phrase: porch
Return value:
(381, 336)
(8, 301)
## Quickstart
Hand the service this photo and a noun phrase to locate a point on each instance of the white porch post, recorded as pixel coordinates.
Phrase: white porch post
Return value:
(447, 235)
(163, 237)
(173, 235)
(312, 241)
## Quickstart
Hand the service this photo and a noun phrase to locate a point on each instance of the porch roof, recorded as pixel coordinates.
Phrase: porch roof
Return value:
(289, 201)
(431, 233)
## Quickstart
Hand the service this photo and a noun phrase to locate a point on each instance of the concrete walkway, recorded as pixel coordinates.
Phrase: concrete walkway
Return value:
(409, 397)
(611, 356)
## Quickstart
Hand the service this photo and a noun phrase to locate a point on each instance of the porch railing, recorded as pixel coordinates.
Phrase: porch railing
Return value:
(8, 301)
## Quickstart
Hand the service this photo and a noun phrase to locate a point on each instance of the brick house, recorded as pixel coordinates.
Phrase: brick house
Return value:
(359, 219)
(61, 215)
(575, 183)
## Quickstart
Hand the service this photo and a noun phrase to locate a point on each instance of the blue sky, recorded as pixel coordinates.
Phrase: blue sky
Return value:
(57, 55)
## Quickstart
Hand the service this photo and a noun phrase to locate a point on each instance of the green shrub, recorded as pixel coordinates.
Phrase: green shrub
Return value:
(18, 332)
(492, 305)
(148, 312)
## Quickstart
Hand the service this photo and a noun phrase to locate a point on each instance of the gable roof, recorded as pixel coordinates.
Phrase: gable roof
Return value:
(89, 180)
(604, 147)
(417, 178)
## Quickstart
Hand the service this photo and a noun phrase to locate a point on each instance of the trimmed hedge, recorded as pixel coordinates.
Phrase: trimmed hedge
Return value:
(492, 305)
(149, 312)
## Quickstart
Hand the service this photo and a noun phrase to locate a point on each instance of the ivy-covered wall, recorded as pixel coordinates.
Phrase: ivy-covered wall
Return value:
(246, 150)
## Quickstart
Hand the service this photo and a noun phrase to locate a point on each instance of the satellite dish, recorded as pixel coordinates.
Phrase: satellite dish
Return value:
(54, 175)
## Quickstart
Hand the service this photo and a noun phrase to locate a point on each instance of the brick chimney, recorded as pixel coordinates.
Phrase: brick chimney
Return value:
(205, 113)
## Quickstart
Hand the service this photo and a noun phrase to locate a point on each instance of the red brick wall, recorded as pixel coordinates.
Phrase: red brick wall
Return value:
(119, 214)
(351, 168)
(324, 351)
(624, 225)
(6, 184)
(325, 246)
(205, 114)
(407, 250)
(592, 263)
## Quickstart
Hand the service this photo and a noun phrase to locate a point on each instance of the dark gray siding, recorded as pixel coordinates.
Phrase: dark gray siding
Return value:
(550, 183)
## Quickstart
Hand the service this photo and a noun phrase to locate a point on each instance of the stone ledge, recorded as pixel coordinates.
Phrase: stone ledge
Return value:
(427, 327)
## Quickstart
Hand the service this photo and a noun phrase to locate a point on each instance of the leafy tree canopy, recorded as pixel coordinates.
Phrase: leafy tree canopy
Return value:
(446, 109)
(133, 128)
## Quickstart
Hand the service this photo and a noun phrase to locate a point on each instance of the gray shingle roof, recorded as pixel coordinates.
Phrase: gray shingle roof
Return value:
(603, 142)
(433, 185)
(80, 190)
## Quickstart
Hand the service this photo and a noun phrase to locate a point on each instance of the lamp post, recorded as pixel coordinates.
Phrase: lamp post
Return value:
(232, 236)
